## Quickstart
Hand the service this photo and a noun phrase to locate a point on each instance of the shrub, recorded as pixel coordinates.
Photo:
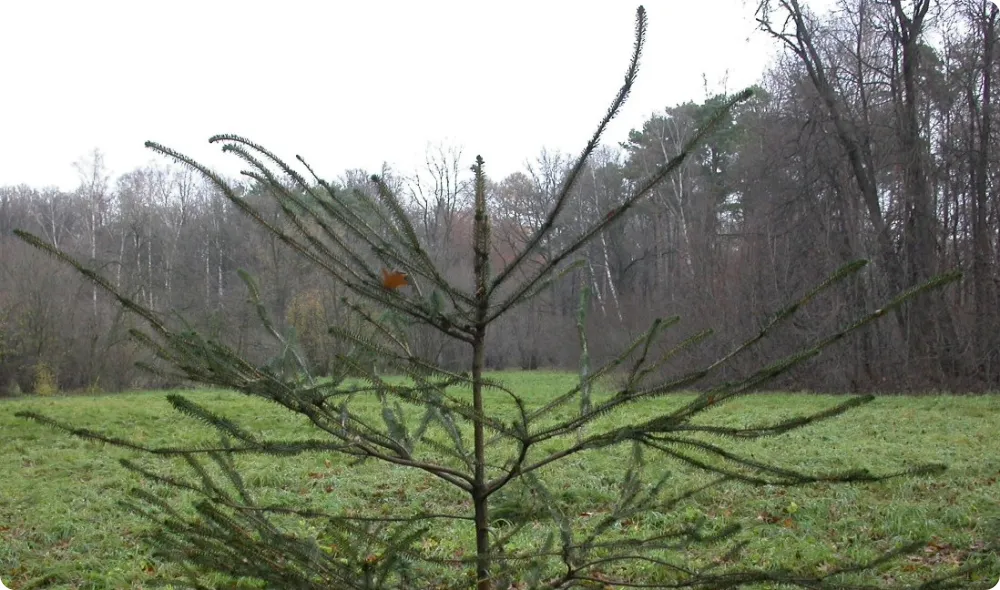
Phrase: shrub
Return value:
(45, 380)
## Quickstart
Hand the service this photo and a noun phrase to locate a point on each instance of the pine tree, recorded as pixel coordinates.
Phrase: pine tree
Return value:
(366, 242)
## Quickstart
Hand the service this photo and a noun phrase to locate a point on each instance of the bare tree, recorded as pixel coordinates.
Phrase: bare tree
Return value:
(94, 190)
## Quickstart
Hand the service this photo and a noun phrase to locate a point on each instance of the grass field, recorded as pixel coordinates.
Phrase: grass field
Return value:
(59, 526)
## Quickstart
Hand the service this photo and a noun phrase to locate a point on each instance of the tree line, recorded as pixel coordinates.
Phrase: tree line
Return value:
(870, 137)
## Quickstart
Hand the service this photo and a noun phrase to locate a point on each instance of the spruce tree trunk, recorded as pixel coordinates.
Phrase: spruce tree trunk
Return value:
(479, 496)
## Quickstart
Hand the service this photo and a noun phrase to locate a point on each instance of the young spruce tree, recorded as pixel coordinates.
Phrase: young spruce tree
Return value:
(367, 244)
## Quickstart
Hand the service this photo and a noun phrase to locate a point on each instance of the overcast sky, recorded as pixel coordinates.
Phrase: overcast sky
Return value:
(346, 84)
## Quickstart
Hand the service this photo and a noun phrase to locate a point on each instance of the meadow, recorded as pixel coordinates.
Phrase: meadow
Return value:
(60, 526)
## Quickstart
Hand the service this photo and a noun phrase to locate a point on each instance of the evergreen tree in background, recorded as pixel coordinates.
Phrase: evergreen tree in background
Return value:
(471, 433)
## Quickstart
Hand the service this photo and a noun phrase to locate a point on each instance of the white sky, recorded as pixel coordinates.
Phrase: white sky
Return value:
(346, 84)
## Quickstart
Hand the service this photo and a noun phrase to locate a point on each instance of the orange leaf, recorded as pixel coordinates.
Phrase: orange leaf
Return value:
(393, 280)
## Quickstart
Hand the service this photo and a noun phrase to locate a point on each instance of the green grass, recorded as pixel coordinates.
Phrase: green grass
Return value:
(60, 527)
